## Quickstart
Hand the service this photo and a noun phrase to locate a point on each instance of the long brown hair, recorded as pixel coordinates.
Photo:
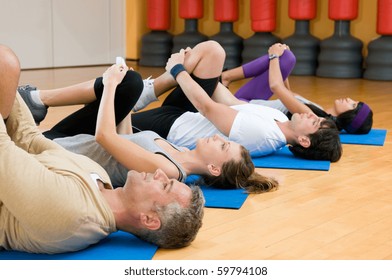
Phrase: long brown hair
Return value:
(241, 174)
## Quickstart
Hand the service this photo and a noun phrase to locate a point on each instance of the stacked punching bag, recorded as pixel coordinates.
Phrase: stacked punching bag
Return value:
(302, 43)
(341, 54)
(157, 44)
(226, 13)
(191, 11)
(263, 23)
(378, 61)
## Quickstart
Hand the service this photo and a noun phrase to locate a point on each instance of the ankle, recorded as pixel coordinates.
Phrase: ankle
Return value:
(225, 79)
(36, 97)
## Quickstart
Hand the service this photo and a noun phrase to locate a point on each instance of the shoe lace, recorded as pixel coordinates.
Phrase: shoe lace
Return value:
(26, 87)
(148, 82)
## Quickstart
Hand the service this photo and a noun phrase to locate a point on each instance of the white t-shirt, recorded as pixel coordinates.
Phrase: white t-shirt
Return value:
(254, 127)
(277, 104)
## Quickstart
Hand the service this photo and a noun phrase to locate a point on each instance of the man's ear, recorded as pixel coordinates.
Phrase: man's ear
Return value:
(304, 141)
(150, 221)
(214, 170)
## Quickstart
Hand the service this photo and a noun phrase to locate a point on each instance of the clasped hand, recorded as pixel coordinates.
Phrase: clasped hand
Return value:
(278, 49)
(176, 58)
(114, 74)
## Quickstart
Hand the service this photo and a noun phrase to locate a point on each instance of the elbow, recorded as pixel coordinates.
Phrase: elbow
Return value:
(203, 109)
(206, 111)
(100, 137)
(274, 87)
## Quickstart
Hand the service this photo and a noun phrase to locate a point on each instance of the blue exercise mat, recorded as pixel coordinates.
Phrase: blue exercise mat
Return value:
(375, 137)
(119, 245)
(221, 198)
(286, 160)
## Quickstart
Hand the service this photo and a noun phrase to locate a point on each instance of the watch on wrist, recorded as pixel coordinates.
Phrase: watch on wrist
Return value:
(273, 56)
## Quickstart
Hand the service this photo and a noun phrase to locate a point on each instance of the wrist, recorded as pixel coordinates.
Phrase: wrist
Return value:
(177, 69)
(110, 84)
(273, 56)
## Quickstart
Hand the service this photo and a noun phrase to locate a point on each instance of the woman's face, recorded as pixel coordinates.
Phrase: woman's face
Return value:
(344, 104)
(218, 150)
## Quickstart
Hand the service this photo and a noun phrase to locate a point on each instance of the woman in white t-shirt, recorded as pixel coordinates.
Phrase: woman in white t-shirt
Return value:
(190, 111)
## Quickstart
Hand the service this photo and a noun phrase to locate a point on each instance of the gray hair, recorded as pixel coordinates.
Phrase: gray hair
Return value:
(179, 225)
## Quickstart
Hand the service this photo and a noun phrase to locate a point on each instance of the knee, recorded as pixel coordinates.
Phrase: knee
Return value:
(211, 51)
(133, 78)
(215, 49)
(288, 58)
(8, 59)
(212, 48)
(131, 84)
(9, 73)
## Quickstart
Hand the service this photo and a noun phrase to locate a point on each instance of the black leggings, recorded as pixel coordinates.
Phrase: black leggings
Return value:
(85, 119)
(176, 103)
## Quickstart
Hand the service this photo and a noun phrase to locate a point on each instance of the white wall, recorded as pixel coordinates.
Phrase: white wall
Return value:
(58, 33)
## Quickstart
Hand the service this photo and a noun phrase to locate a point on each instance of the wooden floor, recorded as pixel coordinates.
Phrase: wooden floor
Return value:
(343, 213)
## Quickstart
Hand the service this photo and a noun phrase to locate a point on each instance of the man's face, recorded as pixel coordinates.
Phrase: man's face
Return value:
(306, 123)
(150, 190)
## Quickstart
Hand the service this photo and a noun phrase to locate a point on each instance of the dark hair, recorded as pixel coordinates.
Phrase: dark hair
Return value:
(346, 119)
(179, 225)
(324, 144)
(241, 174)
(356, 121)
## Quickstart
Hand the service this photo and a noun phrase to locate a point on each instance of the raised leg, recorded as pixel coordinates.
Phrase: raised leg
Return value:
(258, 70)
(82, 93)
(197, 61)
(9, 73)
(84, 120)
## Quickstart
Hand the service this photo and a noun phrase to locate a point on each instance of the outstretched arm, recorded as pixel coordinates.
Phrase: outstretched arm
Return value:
(127, 153)
(279, 87)
(125, 126)
(222, 116)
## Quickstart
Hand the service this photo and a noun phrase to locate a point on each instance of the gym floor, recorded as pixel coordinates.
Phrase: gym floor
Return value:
(344, 213)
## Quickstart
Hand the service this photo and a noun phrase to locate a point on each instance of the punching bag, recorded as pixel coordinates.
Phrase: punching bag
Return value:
(263, 22)
(190, 11)
(226, 12)
(157, 44)
(378, 64)
(304, 45)
(341, 54)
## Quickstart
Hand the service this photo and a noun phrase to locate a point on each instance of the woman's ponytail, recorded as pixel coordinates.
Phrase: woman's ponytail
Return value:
(241, 174)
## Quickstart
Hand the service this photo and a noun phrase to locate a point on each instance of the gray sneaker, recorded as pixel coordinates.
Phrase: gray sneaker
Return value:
(38, 111)
(147, 96)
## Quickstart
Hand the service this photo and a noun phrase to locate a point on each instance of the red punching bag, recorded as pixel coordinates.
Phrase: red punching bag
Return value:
(302, 9)
(157, 45)
(303, 44)
(226, 12)
(384, 19)
(378, 62)
(341, 54)
(262, 14)
(263, 22)
(343, 10)
(191, 11)
(158, 14)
